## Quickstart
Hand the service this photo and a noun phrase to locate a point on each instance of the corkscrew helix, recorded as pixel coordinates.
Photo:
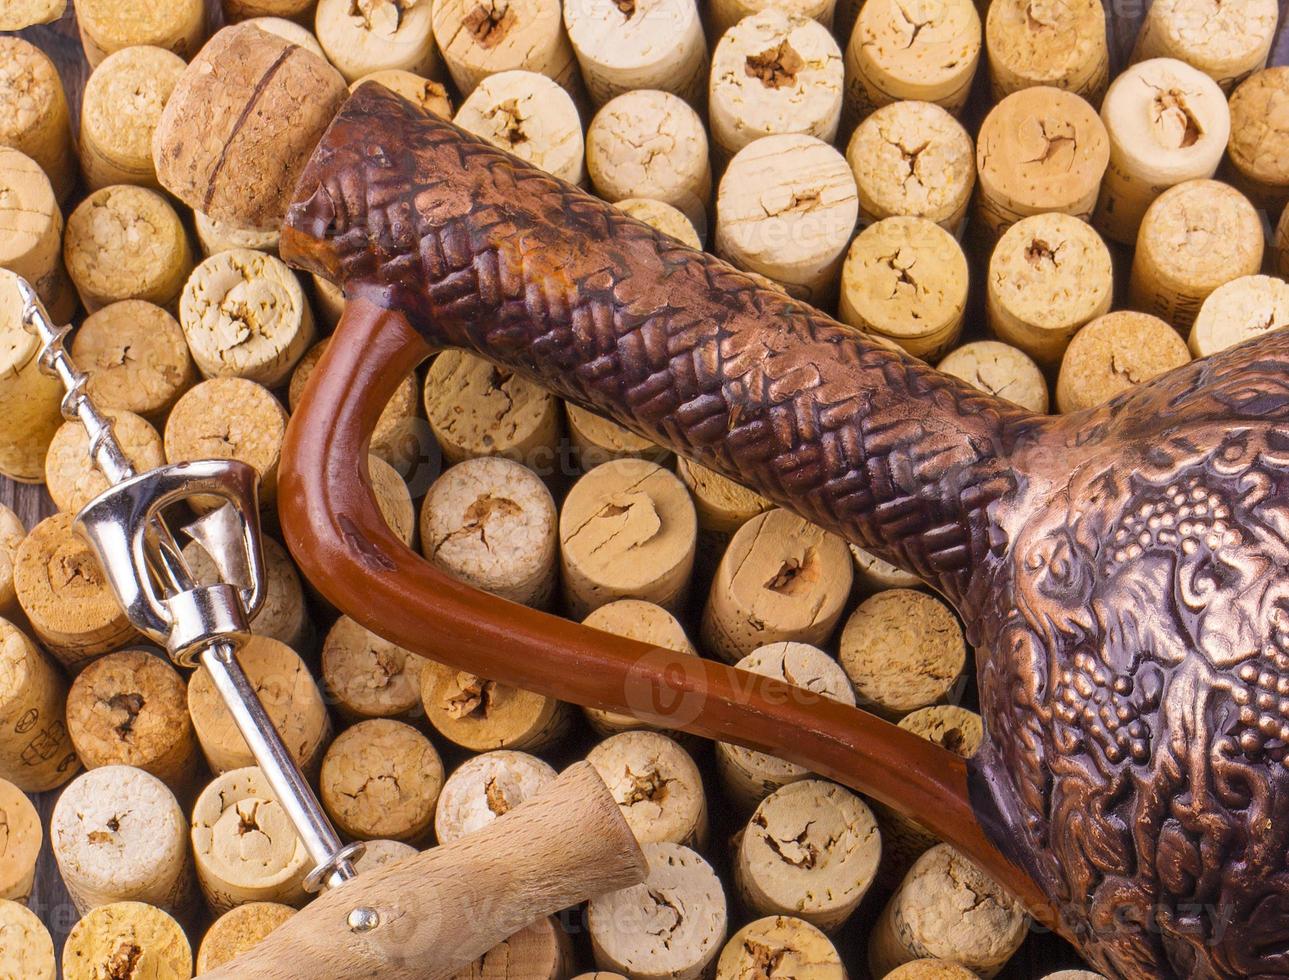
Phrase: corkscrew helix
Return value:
(198, 624)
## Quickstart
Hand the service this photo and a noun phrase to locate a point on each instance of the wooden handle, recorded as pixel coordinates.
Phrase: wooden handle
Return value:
(446, 907)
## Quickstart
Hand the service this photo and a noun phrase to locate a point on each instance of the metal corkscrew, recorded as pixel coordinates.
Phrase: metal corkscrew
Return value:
(197, 624)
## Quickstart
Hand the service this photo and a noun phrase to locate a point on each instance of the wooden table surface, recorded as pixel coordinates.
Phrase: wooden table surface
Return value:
(1041, 953)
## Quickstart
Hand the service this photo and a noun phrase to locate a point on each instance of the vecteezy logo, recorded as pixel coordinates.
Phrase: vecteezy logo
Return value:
(666, 688)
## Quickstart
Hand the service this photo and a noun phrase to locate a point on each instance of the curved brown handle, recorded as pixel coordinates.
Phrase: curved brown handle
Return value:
(334, 529)
(446, 907)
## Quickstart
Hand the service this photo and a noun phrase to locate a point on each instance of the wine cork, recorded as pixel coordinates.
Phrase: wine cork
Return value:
(284, 616)
(257, 10)
(903, 840)
(479, 38)
(1282, 245)
(393, 498)
(530, 116)
(244, 845)
(27, 950)
(1074, 975)
(245, 316)
(20, 838)
(382, 778)
(482, 715)
(366, 676)
(477, 409)
(380, 853)
(107, 26)
(651, 144)
(774, 73)
(363, 36)
(486, 787)
(999, 369)
(931, 56)
(119, 113)
(491, 522)
(126, 242)
(670, 927)
(623, 45)
(1242, 309)
(1167, 123)
(20, 14)
(1059, 44)
(33, 112)
(1049, 275)
(627, 531)
(1040, 150)
(724, 14)
(136, 359)
(132, 936)
(542, 951)
(782, 945)
(1114, 353)
(11, 534)
(782, 578)
(218, 236)
(328, 303)
(636, 620)
(874, 575)
(663, 217)
(722, 507)
(393, 439)
(131, 709)
(71, 475)
(929, 969)
(1195, 237)
(426, 93)
(229, 418)
(68, 601)
(748, 776)
(811, 850)
(786, 208)
(1259, 147)
(237, 931)
(902, 650)
(946, 908)
(656, 785)
(29, 398)
(32, 245)
(596, 440)
(36, 753)
(289, 695)
(915, 159)
(119, 835)
(905, 279)
(1227, 41)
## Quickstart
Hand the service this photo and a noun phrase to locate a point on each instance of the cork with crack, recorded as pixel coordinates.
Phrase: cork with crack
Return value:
(1238, 311)
(130, 708)
(1167, 123)
(26, 948)
(931, 969)
(366, 676)
(786, 209)
(381, 778)
(1048, 276)
(483, 715)
(782, 578)
(529, 115)
(68, 601)
(486, 787)
(811, 850)
(21, 836)
(1196, 237)
(721, 505)
(1225, 39)
(71, 475)
(915, 159)
(1114, 353)
(902, 650)
(34, 117)
(1259, 146)
(36, 753)
(284, 614)
(999, 369)
(774, 73)
(779, 946)
(244, 845)
(423, 92)
(289, 694)
(363, 36)
(872, 574)
(626, 531)
(479, 38)
(663, 217)
(477, 409)
(1061, 43)
(126, 940)
(136, 359)
(32, 243)
(597, 440)
(748, 776)
(491, 522)
(670, 927)
(238, 930)
(657, 786)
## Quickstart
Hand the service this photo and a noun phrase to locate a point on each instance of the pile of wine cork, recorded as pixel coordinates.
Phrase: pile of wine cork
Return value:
(982, 186)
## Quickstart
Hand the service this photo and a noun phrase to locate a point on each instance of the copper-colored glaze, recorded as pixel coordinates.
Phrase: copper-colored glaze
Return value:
(1121, 571)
